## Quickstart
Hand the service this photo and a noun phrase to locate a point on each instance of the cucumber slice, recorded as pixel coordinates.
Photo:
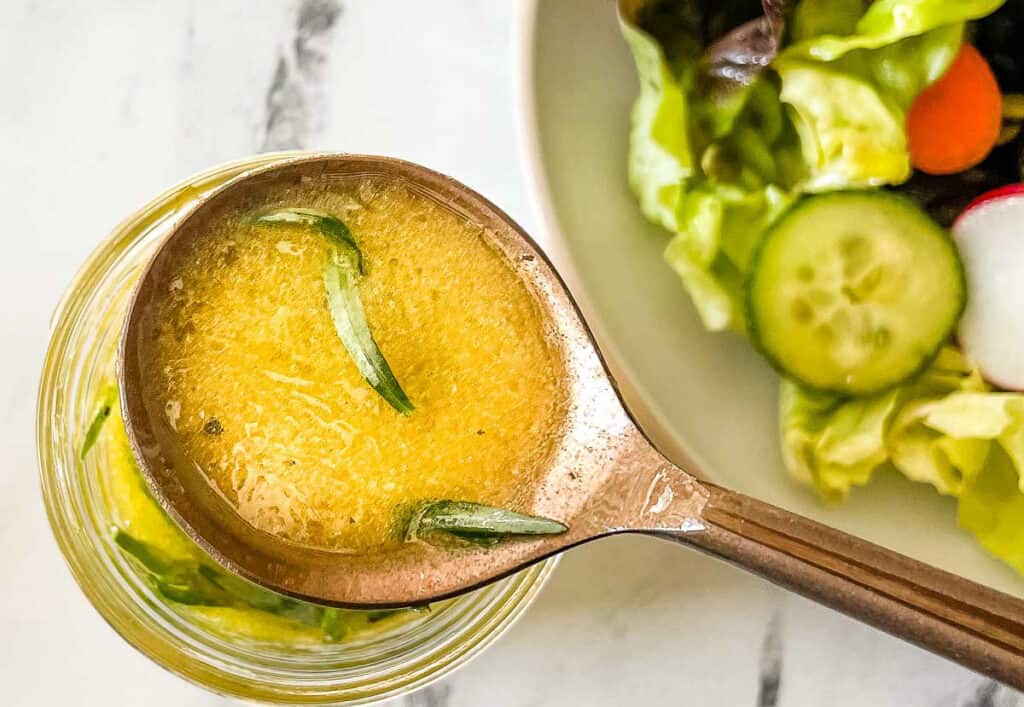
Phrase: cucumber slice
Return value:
(854, 292)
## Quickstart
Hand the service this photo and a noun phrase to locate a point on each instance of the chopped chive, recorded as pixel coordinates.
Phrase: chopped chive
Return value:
(342, 272)
(476, 523)
(104, 407)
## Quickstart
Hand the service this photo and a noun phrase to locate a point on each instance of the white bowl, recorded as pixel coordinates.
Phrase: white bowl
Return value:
(706, 399)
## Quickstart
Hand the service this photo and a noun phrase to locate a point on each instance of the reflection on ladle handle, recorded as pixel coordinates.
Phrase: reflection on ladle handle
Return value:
(941, 612)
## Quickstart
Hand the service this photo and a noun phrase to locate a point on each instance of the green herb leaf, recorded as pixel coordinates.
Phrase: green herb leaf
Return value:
(245, 591)
(342, 272)
(329, 225)
(193, 590)
(476, 538)
(104, 406)
(477, 523)
(340, 278)
(181, 581)
(263, 599)
(152, 558)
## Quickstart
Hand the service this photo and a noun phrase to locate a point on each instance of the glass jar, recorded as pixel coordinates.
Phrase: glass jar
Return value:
(78, 364)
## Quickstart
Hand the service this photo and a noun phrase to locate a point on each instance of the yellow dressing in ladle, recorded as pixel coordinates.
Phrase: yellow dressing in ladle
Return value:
(247, 369)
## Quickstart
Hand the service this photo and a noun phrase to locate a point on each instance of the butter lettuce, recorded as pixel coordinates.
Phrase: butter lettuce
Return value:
(719, 227)
(833, 444)
(660, 156)
(947, 429)
(992, 508)
(850, 135)
(885, 22)
(816, 18)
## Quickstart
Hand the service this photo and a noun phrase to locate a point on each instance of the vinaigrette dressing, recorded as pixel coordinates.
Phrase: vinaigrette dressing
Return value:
(268, 403)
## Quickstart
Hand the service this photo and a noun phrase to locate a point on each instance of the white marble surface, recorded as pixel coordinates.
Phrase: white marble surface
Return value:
(106, 102)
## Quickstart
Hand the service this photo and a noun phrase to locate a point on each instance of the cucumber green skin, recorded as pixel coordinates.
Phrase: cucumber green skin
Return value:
(755, 335)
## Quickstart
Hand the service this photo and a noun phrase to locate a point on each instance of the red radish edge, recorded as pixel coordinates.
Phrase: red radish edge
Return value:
(1000, 193)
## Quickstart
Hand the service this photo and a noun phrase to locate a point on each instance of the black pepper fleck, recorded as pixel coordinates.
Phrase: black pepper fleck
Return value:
(213, 427)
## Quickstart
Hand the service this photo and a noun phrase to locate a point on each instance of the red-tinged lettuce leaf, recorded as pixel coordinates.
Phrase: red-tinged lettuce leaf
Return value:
(735, 60)
(734, 40)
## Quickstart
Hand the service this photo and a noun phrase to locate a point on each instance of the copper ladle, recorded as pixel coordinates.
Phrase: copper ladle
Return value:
(605, 478)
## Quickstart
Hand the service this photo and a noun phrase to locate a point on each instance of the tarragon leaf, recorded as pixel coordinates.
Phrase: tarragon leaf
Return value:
(329, 225)
(199, 584)
(181, 581)
(340, 278)
(152, 558)
(477, 523)
(342, 273)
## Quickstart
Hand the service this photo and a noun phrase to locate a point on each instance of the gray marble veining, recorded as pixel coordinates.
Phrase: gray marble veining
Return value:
(295, 103)
(770, 666)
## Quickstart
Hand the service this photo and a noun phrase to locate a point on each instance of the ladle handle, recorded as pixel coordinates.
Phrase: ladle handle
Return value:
(964, 621)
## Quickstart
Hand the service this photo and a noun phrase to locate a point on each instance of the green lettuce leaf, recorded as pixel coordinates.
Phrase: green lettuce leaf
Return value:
(947, 429)
(714, 167)
(850, 135)
(815, 18)
(659, 146)
(719, 228)
(992, 508)
(833, 444)
(885, 23)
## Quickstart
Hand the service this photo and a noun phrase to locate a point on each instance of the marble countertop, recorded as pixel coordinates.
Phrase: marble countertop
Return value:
(108, 102)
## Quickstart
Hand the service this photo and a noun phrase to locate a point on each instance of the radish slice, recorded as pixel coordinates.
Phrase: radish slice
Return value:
(1008, 190)
(990, 237)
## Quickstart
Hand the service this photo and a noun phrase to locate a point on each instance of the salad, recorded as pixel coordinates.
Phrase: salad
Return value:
(842, 182)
